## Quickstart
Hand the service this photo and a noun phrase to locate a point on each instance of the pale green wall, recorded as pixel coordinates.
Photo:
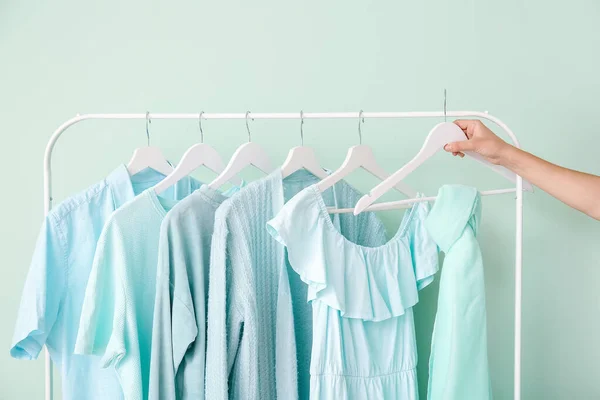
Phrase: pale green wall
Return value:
(535, 64)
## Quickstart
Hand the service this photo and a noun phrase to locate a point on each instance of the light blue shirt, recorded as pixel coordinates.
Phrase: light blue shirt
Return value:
(179, 327)
(54, 289)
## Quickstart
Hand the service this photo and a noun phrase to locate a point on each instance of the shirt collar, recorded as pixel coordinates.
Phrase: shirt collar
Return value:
(119, 182)
(211, 195)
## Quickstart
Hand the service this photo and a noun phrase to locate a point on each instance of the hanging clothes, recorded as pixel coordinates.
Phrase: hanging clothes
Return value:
(364, 344)
(458, 365)
(179, 325)
(249, 319)
(55, 286)
(116, 318)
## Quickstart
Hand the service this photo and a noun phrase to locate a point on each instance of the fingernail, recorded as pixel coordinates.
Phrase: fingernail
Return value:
(448, 147)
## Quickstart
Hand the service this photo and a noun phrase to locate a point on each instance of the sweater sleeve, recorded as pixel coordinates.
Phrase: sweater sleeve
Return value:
(224, 318)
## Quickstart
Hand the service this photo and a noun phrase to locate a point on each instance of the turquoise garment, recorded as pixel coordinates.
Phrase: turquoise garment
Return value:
(55, 286)
(259, 324)
(458, 366)
(117, 312)
(179, 326)
(364, 344)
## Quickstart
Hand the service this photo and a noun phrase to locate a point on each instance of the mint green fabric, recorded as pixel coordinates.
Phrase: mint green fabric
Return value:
(179, 326)
(118, 308)
(458, 366)
(259, 324)
(60, 267)
(364, 344)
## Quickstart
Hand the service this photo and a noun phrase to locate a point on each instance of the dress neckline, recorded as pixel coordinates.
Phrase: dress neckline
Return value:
(324, 214)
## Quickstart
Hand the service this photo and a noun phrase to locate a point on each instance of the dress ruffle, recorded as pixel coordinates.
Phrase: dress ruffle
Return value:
(372, 284)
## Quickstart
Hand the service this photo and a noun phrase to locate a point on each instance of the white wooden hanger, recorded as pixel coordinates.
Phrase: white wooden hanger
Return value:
(247, 154)
(148, 157)
(200, 154)
(302, 157)
(442, 134)
(361, 156)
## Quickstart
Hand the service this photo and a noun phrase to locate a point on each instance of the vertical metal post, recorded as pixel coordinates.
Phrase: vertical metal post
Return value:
(49, 384)
(518, 287)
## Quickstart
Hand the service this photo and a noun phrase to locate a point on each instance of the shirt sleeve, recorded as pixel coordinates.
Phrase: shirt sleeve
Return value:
(424, 250)
(174, 325)
(102, 324)
(225, 321)
(43, 292)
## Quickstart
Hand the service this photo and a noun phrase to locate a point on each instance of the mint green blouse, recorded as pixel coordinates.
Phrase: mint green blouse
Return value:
(458, 365)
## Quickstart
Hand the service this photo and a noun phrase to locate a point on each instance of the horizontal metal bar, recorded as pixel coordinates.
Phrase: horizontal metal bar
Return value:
(293, 115)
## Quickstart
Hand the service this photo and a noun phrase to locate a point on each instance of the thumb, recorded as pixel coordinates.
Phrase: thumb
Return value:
(464, 145)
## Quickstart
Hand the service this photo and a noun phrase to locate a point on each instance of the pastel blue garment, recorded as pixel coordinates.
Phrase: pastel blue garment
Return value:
(259, 324)
(364, 344)
(179, 326)
(117, 312)
(55, 286)
(458, 365)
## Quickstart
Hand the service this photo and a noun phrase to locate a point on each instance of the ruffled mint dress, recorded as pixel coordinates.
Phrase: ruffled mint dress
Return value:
(364, 344)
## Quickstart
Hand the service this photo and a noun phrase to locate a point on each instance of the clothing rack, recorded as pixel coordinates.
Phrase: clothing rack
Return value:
(336, 115)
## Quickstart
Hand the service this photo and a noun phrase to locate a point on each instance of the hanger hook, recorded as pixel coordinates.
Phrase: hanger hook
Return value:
(302, 128)
(148, 121)
(248, 127)
(361, 120)
(445, 120)
(200, 126)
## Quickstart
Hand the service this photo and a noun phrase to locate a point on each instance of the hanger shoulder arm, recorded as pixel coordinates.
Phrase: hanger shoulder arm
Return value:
(148, 157)
(247, 154)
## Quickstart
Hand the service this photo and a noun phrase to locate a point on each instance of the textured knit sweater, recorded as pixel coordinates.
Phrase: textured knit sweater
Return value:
(257, 316)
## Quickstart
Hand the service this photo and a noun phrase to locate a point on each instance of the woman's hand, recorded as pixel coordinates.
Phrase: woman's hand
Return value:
(576, 189)
(481, 141)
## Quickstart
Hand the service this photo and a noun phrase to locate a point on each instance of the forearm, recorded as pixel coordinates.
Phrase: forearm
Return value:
(576, 189)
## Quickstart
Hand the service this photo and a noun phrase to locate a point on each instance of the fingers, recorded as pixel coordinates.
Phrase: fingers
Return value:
(458, 153)
(465, 123)
(468, 126)
(459, 147)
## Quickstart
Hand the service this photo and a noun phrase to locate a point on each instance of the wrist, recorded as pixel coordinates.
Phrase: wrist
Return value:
(508, 156)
